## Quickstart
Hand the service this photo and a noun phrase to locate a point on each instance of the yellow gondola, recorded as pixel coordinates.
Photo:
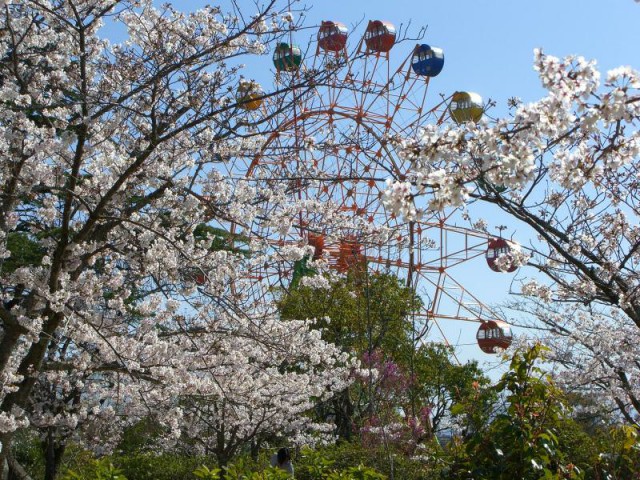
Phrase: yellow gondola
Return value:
(466, 107)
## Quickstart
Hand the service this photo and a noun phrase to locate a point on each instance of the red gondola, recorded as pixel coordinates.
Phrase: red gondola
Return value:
(332, 36)
(494, 336)
(380, 36)
(499, 247)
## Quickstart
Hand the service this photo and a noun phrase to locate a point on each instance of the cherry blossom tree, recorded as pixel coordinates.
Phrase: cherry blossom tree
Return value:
(596, 349)
(119, 301)
(566, 168)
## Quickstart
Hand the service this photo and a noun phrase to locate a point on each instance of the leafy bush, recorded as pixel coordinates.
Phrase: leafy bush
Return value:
(310, 464)
(160, 467)
(234, 473)
(522, 439)
(101, 469)
(622, 454)
(342, 458)
(134, 467)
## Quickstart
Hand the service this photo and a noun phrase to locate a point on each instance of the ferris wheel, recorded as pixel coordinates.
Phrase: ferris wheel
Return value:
(335, 145)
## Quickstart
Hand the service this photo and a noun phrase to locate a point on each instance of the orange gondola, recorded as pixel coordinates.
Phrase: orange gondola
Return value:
(316, 240)
(348, 256)
(249, 96)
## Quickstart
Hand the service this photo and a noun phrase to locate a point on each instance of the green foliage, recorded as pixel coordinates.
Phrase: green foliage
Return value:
(356, 473)
(239, 471)
(440, 382)
(207, 473)
(140, 437)
(369, 314)
(522, 439)
(578, 446)
(146, 466)
(367, 311)
(620, 457)
(27, 451)
(270, 473)
(136, 467)
(341, 458)
(313, 466)
(101, 469)
(25, 251)
(220, 239)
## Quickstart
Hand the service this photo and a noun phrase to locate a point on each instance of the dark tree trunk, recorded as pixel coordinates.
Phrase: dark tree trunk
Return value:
(53, 452)
(255, 450)
(344, 415)
(11, 474)
(222, 458)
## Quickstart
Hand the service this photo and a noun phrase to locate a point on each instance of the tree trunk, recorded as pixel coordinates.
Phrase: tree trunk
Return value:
(12, 475)
(344, 415)
(53, 452)
(14, 471)
(222, 458)
(5, 441)
(255, 450)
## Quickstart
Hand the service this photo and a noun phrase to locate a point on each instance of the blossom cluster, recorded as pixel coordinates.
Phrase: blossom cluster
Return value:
(125, 272)
(565, 169)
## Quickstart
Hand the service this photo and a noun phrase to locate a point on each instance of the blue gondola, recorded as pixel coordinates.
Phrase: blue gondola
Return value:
(427, 61)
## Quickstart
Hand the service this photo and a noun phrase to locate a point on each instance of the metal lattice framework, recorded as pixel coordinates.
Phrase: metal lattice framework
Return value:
(334, 146)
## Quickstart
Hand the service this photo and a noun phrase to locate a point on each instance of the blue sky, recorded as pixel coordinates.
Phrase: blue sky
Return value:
(488, 47)
(489, 44)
